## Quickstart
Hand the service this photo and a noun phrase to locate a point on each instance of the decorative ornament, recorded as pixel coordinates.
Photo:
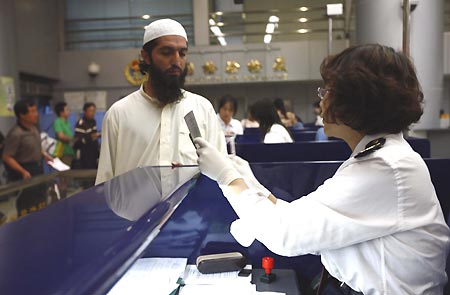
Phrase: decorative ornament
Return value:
(133, 73)
(209, 68)
(190, 68)
(232, 67)
(254, 66)
(279, 65)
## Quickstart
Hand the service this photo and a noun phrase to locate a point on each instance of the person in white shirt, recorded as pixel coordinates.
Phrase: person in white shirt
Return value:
(227, 109)
(272, 130)
(377, 223)
(147, 127)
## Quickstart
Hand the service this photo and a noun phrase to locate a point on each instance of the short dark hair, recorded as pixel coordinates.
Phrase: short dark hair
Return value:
(228, 98)
(88, 105)
(59, 107)
(372, 89)
(264, 112)
(21, 107)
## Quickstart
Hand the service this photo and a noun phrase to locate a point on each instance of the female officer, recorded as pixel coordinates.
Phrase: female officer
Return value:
(376, 223)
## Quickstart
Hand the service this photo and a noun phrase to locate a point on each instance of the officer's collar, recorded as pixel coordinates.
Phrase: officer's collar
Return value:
(369, 144)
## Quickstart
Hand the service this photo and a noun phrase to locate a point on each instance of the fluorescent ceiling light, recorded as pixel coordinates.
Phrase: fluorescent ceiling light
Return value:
(267, 38)
(274, 19)
(335, 9)
(222, 41)
(303, 8)
(270, 28)
(216, 30)
(303, 19)
(303, 31)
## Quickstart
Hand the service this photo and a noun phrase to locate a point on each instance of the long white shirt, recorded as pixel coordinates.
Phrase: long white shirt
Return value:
(234, 127)
(377, 223)
(137, 131)
(277, 134)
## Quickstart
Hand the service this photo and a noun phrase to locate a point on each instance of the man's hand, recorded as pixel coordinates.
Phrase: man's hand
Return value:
(25, 174)
(214, 164)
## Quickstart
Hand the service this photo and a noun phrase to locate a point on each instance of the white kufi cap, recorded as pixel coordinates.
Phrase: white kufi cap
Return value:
(163, 27)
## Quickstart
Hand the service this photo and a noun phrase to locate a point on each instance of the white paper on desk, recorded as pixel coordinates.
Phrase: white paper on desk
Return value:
(151, 276)
(193, 277)
(57, 164)
(241, 289)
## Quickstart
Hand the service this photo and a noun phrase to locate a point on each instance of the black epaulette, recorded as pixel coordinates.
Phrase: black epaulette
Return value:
(372, 146)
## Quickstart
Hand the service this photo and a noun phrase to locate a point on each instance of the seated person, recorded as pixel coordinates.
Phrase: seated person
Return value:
(227, 109)
(317, 112)
(272, 130)
(249, 122)
(288, 119)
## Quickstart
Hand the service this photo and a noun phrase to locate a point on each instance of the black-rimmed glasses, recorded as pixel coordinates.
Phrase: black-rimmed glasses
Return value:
(321, 92)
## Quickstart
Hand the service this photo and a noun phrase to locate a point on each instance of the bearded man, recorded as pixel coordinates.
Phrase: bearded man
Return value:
(147, 127)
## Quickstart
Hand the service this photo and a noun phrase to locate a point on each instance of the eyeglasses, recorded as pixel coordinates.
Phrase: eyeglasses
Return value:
(321, 92)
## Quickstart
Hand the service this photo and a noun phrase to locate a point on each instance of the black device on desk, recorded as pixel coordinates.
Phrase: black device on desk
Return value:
(285, 282)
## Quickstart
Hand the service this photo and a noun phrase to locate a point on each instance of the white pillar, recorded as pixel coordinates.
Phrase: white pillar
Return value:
(8, 64)
(201, 24)
(381, 21)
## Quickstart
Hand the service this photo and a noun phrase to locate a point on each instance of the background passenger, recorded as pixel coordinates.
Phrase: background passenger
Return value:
(63, 134)
(23, 156)
(86, 137)
(227, 109)
(272, 130)
(288, 119)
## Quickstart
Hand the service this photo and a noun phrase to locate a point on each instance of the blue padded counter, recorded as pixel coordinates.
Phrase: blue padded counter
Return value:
(84, 244)
(331, 150)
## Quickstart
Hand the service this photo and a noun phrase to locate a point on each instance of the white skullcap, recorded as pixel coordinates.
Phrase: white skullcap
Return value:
(163, 27)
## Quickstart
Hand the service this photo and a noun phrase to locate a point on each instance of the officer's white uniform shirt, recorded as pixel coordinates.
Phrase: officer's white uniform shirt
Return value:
(377, 223)
(234, 127)
(137, 131)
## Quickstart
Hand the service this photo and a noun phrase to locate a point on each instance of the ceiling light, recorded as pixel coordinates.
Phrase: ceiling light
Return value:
(303, 19)
(303, 31)
(212, 22)
(303, 8)
(220, 24)
(219, 13)
(146, 16)
(270, 28)
(222, 41)
(274, 19)
(267, 38)
(216, 30)
(335, 9)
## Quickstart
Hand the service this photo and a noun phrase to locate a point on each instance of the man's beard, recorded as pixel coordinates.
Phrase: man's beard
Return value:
(166, 88)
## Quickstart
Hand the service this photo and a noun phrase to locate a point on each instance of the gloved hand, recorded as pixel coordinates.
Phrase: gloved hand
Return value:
(245, 171)
(214, 164)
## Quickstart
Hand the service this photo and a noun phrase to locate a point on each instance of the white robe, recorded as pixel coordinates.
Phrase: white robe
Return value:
(137, 132)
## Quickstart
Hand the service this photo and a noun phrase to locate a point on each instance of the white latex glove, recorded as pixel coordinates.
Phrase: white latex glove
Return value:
(244, 169)
(214, 164)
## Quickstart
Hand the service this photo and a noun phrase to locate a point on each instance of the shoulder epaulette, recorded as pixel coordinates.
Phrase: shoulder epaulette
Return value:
(372, 146)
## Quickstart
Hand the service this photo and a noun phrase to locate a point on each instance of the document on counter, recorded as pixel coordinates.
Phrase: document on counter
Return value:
(58, 165)
(193, 277)
(157, 276)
